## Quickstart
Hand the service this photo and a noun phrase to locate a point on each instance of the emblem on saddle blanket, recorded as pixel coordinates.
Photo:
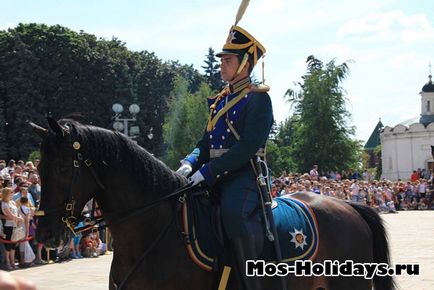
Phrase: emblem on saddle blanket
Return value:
(295, 223)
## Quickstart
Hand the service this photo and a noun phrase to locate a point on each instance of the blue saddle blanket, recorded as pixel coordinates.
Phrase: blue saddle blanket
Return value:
(295, 223)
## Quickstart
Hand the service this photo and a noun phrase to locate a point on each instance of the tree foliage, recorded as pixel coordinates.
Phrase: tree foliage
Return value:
(279, 146)
(185, 121)
(212, 71)
(322, 135)
(52, 70)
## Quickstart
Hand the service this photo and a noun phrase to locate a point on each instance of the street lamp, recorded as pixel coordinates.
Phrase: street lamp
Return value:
(121, 124)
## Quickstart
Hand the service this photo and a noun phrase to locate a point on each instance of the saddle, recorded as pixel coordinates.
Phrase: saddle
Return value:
(295, 222)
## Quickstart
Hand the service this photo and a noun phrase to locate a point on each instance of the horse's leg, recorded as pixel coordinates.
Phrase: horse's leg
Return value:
(168, 266)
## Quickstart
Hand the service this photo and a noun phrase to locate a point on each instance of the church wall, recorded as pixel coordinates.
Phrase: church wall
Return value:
(405, 150)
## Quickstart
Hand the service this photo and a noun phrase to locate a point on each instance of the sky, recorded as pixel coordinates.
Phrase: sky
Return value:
(388, 44)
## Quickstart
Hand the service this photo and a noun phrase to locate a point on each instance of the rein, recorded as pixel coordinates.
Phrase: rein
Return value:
(149, 206)
(160, 236)
(140, 260)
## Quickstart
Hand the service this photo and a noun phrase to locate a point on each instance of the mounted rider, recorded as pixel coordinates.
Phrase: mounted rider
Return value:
(240, 119)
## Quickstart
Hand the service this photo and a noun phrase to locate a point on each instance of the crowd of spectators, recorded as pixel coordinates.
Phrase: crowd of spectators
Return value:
(383, 195)
(20, 192)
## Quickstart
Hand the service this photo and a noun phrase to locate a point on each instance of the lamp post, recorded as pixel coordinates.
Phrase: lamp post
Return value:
(121, 124)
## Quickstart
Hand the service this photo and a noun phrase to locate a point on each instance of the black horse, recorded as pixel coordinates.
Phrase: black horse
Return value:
(79, 162)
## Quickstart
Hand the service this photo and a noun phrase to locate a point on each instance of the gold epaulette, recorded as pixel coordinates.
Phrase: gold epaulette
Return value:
(259, 88)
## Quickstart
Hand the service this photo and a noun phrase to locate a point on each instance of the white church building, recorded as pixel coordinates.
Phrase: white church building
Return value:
(407, 147)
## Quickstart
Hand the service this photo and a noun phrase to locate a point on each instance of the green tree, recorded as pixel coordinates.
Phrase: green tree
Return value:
(322, 134)
(279, 147)
(286, 131)
(52, 70)
(212, 71)
(279, 158)
(185, 121)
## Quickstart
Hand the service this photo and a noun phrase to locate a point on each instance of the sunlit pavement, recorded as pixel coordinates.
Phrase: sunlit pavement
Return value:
(86, 273)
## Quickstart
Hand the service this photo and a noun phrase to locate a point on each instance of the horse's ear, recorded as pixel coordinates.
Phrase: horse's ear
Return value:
(432, 151)
(42, 132)
(56, 127)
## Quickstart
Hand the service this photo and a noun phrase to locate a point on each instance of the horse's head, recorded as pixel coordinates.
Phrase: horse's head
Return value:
(66, 183)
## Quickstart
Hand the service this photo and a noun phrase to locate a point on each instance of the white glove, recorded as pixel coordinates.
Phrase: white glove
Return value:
(196, 178)
(185, 168)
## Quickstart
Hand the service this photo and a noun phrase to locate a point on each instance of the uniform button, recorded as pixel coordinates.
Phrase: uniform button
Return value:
(212, 145)
(210, 136)
(225, 172)
(218, 176)
(234, 112)
(215, 111)
(221, 146)
(232, 122)
(228, 130)
(223, 137)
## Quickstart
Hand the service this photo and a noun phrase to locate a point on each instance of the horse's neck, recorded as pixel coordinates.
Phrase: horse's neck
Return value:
(133, 186)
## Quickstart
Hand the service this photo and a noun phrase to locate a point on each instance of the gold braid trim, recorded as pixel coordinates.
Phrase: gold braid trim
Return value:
(240, 85)
(221, 94)
(233, 102)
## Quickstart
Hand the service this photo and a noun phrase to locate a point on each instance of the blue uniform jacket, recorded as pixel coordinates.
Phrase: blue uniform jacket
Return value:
(252, 118)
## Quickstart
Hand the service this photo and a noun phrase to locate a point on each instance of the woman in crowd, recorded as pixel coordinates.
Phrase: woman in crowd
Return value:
(10, 212)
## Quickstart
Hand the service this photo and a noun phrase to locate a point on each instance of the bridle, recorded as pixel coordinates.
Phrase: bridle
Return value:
(68, 208)
(70, 220)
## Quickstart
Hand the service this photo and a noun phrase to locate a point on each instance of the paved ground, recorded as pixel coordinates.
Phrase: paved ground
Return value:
(411, 235)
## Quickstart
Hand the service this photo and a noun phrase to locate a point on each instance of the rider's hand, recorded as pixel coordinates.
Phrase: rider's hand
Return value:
(185, 168)
(196, 178)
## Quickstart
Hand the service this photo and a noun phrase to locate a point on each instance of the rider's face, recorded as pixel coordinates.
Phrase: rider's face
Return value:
(228, 67)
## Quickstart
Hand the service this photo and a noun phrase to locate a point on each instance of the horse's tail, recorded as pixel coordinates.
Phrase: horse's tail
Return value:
(380, 244)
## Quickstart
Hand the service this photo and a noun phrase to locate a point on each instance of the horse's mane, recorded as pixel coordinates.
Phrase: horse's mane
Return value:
(120, 153)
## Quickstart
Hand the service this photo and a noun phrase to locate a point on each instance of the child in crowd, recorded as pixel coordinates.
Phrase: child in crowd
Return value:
(39, 246)
(88, 247)
(25, 210)
(101, 249)
(75, 244)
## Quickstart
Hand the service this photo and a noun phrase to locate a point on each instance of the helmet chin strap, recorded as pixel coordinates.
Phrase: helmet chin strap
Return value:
(240, 68)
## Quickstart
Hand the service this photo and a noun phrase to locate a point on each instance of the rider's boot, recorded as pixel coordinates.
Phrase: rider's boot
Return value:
(245, 248)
